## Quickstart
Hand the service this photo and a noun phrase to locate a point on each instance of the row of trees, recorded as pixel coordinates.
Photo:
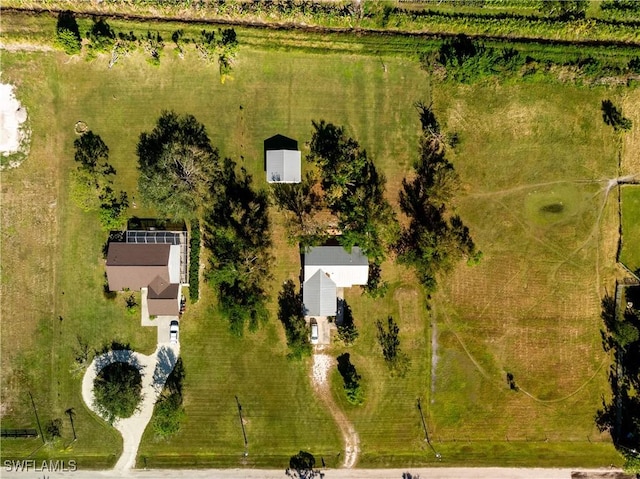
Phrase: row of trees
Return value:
(465, 60)
(434, 238)
(194, 261)
(352, 190)
(213, 46)
(291, 315)
(621, 336)
(183, 176)
(169, 411)
(237, 235)
(92, 182)
(345, 195)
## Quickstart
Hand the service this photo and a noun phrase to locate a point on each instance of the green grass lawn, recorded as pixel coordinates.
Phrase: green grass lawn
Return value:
(630, 201)
(529, 161)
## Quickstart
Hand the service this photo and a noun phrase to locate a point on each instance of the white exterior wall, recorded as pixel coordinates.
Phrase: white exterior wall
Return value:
(343, 276)
(174, 264)
(284, 165)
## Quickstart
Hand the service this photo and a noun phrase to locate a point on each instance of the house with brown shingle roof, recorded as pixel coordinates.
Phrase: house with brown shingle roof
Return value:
(154, 266)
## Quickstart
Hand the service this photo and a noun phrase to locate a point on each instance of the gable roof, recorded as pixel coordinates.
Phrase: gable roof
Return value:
(160, 288)
(319, 295)
(131, 254)
(280, 142)
(335, 256)
(344, 268)
(284, 166)
(134, 266)
(162, 297)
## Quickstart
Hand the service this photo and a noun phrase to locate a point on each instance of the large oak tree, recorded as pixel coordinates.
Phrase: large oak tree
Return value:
(177, 166)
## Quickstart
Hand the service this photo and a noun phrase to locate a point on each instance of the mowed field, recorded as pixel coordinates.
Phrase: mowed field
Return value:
(534, 161)
(630, 204)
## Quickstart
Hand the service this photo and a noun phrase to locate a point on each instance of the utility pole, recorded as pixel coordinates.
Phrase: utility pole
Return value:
(70, 412)
(37, 419)
(244, 434)
(424, 424)
(426, 434)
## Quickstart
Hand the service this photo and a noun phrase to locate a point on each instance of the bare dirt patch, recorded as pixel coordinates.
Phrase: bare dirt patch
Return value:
(322, 364)
(14, 132)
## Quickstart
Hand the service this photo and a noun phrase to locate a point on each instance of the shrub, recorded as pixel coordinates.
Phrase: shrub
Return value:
(290, 314)
(101, 38)
(376, 287)
(167, 415)
(351, 379)
(397, 361)
(53, 429)
(347, 331)
(131, 304)
(113, 209)
(66, 40)
(612, 116)
(68, 34)
(194, 262)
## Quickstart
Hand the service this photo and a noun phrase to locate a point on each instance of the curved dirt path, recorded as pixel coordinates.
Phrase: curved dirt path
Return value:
(322, 363)
(154, 370)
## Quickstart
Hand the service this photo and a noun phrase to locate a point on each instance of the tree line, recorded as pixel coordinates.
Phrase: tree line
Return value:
(183, 177)
(620, 415)
(462, 59)
(92, 182)
(348, 186)
(212, 46)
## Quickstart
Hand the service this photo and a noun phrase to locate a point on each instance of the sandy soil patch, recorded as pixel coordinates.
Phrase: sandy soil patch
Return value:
(322, 364)
(14, 133)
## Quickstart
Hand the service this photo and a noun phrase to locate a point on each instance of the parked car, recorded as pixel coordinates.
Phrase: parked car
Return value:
(173, 332)
(314, 332)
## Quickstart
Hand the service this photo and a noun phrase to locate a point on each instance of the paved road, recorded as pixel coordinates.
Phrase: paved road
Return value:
(423, 473)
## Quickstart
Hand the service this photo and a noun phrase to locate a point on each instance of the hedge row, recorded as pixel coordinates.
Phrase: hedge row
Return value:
(194, 262)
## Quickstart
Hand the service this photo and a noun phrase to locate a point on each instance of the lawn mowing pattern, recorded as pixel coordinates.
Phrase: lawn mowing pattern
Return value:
(531, 306)
(544, 133)
(630, 204)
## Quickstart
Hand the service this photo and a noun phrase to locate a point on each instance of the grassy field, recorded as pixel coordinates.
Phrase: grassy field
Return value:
(522, 21)
(532, 162)
(630, 202)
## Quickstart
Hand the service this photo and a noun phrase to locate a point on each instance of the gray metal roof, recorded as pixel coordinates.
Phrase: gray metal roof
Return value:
(335, 256)
(319, 295)
(284, 166)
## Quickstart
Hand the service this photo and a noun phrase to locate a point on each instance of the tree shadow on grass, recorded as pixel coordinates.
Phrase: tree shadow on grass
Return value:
(621, 336)
(116, 352)
(164, 366)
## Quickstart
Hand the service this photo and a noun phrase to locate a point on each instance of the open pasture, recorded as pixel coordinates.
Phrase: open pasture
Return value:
(533, 163)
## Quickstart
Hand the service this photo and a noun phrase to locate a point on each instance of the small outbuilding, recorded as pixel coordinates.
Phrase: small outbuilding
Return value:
(283, 160)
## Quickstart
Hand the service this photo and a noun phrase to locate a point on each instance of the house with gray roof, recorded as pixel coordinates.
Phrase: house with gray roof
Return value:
(319, 295)
(326, 269)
